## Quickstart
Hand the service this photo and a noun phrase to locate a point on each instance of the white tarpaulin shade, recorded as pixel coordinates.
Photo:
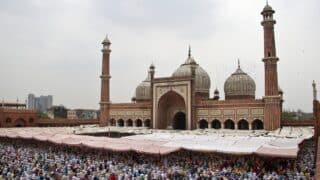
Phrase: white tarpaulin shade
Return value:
(280, 143)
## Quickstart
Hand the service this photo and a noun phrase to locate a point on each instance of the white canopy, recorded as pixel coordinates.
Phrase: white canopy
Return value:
(280, 143)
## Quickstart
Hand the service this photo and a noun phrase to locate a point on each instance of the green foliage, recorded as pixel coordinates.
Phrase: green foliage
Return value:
(42, 115)
(288, 115)
(296, 115)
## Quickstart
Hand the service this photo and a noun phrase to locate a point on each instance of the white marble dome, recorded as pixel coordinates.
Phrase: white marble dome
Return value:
(143, 90)
(239, 86)
(202, 79)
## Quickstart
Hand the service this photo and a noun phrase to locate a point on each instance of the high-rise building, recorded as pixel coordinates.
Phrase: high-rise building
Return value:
(41, 103)
(31, 101)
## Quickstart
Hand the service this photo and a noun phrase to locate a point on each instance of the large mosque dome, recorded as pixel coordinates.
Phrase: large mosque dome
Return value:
(239, 86)
(202, 79)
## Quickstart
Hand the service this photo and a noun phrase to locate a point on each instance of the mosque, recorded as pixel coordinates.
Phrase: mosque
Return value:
(182, 101)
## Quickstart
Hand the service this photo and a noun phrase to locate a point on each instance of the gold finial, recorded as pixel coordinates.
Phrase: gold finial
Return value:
(189, 53)
(238, 63)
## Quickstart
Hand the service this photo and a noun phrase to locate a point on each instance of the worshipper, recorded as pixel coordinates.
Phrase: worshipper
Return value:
(30, 159)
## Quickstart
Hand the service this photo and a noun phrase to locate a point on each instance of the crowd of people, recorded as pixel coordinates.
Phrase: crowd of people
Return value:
(29, 159)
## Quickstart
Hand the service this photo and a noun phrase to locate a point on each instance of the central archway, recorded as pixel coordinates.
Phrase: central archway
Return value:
(179, 121)
(171, 112)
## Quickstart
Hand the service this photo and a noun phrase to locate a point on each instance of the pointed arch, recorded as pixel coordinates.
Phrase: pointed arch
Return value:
(120, 123)
(147, 123)
(229, 124)
(129, 123)
(243, 125)
(257, 124)
(20, 123)
(203, 124)
(138, 123)
(171, 111)
(216, 124)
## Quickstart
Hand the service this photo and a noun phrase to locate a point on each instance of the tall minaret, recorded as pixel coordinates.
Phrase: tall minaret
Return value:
(314, 91)
(316, 113)
(270, 57)
(272, 98)
(105, 83)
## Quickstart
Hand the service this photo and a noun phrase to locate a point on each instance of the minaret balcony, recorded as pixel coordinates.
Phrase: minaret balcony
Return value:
(105, 76)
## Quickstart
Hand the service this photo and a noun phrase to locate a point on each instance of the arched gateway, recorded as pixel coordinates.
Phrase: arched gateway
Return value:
(20, 123)
(172, 112)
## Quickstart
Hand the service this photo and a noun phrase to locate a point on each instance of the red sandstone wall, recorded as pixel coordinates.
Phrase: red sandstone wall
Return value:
(23, 117)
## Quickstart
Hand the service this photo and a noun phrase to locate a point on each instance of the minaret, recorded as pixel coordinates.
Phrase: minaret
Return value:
(216, 94)
(270, 57)
(316, 115)
(314, 90)
(272, 98)
(105, 83)
(193, 94)
(316, 112)
(151, 74)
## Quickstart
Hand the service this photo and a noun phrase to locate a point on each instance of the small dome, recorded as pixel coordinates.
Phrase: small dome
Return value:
(239, 86)
(216, 95)
(143, 90)
(202, 79)
(267, 8)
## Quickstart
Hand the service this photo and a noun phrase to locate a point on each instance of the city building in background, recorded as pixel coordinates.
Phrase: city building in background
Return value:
(82, 114)
(57, 112)
(18, 115)
(41, 103)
